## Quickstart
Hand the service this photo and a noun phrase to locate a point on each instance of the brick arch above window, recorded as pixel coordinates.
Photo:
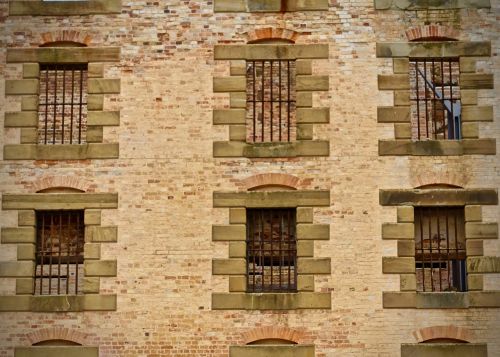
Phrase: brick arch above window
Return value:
(272, 333)
(78, 37)
(432, 32)
(57, 333)
(262, 181)
(449, 332)
(271, 33)
(56, 182)
(429, 178)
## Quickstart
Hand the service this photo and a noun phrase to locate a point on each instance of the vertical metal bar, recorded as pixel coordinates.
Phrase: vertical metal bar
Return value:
(51, 251)
(42, 248)
(254, 102)
(418, 99)
(81, 107)
(288, 99)
(451, 93)
(68, 251)
(433, 101)
(280, 222)
(457, 256)
(448, 262)
(271, 241)
(63, 104)
(46, 104)
(443, 110)
(59, 241)
(289, 252)
(425, 101)
(279, 100)
(77, 252)
(439, 247)
(72, 104)
(271, 99)
(430, 247)
(263, 99)
(262, 248)
(55, 108)
(422, 259)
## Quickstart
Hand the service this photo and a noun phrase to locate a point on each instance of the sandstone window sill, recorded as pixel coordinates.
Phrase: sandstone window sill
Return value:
(403, 5)
(271, 150)
(444, 349)
(442, 300)
(269, 5)
(59, 303)
(63, 8)
(271, 301)
(272, 350)
(61, 152)
(437, 147)
(56, 351)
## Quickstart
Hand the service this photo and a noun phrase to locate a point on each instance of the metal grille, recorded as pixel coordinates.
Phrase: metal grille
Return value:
(59, 252)
(62, 113)
(435, 95)
(271, 250)
(440, 249)
(271, 101)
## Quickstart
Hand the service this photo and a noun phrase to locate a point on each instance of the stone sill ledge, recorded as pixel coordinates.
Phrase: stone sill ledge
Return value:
(272, 350)
(403, 5)
(61, 152)
(271, 150)
(444, 349)
(442, 300)
(56, 351)
(437, 147)
(271, 301)
(58, 303)
(64, 8)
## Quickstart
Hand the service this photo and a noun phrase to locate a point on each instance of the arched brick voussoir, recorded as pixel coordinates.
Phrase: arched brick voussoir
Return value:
(457, 179)
(272, 332)
(444, 332)
(57, 333)
(74, 182)
(66, 36)
(270, 179)
(433, 31)
(271, 33)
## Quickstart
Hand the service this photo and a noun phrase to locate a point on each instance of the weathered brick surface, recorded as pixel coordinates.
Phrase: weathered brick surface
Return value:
(166, 174)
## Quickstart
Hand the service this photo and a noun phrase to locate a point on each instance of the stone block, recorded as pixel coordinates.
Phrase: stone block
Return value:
(484, 299)
(63, 54)
(103, 86)
(50, 201)
(438, 197)
(21, 86)
(399, 300)
(282, 350)
(18, 235)
(56, 351)
(398, 265)
(307, 5)
(95, 102)
(26, 218)
(305, 248)
(393, 115)
(229, 232)
(24, 286)
(313, 231)
(271, 52)
(444, 350)
(237, 132)
(237, 216)
(304, 100)
(104, 234)
(95, 134)
(66, 8)
(442, 300)
(476, 81)
(401, 65)
(31, 70)
(313, 265)
(406, 248)
(29, 103)
(393, 81)
(398, 231)
(26, 252)
(483, 264)
(470, 130)
(96, 302)
(312, 83)
(402, 130)
(15, 303)
(474, 247)
(91, 285)
(229, 5)
(103, 151)
(229, 116)
(402, 98)
(229, 267)
(269, 301)
(56, 303)
(229, 84)
(29, 135)
(272, 199)
(304, 215)
(103, 118)
(95, 70)
(475, 230)
(406, 214)
(477, 113)
(20, 152)
(473, 213)
(92, 251)
(237, 249)
(237, 283)
(426, 49)
(467, 65)
(238, 68)
(305, 131)
(305, 282)
(468, 96)
(313, 115)
(264, 5)
(238, 100)
(401, 5)
(100, 268)
(475, 282)
(304, 67)
(408, 282)
(270, 150)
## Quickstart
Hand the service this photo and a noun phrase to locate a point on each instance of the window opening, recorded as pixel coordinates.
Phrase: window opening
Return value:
(440, 249)
(60, 237)
(435, 97)
(271, 250)
(62, 113)
(271, 101)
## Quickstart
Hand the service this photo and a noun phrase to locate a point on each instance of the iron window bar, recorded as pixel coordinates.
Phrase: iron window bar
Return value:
(62, 108)
(60, 238)
(435, 94)
(271, 100)
(440, 254)
(271, 250)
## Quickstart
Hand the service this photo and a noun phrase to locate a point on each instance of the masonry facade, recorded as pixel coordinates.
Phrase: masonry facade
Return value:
(249, 178)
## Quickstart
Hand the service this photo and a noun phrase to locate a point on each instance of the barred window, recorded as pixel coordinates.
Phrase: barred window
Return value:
(271, 250)
(271, 101)
(60, 237)
(62, 111)
(440, 249)
(435, 97)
